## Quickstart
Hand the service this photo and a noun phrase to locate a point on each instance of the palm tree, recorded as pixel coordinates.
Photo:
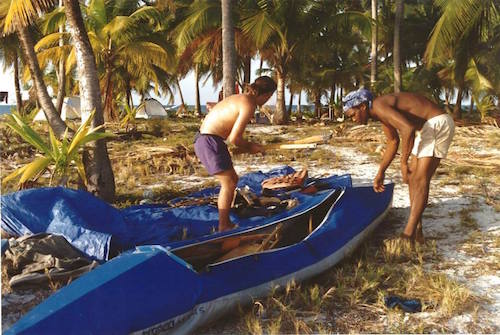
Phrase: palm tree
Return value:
(126, 43)
(16, 16)
(228, 51)
(373, 54)
(277, 29)
(52, 26)
(339, 40)
(100, 176)
(464, 28)
(397, 47)
(9, 50)
(199, 40)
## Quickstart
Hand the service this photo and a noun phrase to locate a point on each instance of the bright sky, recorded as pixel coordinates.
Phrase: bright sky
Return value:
(207, 92)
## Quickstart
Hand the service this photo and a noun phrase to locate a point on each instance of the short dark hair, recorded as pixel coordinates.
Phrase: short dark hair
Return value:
(261, 85)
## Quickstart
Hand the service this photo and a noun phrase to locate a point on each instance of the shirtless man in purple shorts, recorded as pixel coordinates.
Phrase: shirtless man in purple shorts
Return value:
(426, 132)
(227, 121)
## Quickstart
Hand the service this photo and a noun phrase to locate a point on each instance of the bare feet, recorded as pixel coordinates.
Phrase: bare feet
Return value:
(419, 234)
(230, 226)
(408, 238)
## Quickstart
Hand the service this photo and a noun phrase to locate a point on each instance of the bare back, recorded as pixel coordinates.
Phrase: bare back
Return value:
(236, 110)
(415, 108)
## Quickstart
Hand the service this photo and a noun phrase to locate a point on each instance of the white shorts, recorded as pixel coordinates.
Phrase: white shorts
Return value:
(434, 139)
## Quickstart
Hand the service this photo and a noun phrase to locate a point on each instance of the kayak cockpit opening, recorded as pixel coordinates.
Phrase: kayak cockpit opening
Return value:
(283, 233)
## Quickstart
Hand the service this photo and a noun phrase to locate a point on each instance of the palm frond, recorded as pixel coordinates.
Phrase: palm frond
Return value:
(16, 123)
(458, 18)
(144, 54)
(21, 13)
(34, 168)
(201, 15)
(479, 82)
(260, 28)
(53, 20)
(50, 40)
(97, 16)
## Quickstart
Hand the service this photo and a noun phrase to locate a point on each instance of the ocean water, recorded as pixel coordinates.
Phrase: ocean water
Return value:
(5, 109)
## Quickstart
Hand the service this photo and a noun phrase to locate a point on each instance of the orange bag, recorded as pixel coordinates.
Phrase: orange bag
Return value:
(288, 182)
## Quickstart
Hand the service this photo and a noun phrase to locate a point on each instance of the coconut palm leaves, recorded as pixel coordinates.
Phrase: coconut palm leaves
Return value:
(199, 39)
(127, 42)
(277, 28)
(21, 13)
(461, 19)
(463, 34)
(16, 16)
(59, 156)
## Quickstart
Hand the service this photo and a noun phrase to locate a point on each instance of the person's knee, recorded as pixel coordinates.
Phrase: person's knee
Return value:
(234, 180)
(418, 180)
(231, 182)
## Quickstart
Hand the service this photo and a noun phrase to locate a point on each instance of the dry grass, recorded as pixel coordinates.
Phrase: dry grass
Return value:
(350, 297)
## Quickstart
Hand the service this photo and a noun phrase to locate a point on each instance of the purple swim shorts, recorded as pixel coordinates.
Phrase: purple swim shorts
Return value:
(213, 153)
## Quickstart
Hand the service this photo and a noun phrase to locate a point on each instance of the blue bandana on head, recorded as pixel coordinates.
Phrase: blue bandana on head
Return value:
(356, 98)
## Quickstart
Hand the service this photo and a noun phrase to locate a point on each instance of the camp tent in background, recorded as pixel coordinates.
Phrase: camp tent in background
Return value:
(150, 109)
(70, 110)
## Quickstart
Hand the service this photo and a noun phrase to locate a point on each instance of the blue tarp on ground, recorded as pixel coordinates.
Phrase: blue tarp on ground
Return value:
(90, 224)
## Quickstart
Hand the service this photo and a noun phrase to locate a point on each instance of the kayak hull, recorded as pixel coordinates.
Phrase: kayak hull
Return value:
(152, 291)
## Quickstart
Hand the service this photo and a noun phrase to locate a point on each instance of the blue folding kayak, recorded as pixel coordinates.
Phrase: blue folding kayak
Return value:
(179, 286)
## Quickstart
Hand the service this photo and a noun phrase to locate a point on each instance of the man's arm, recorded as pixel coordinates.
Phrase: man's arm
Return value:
(236, 135)
(390, 117)
(390, 151)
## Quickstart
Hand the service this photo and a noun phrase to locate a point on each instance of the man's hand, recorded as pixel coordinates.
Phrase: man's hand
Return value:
(255, 148)
(378, 183)
(405, 173)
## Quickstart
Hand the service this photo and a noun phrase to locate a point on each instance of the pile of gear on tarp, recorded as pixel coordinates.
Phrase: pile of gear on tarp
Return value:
(42, 260)
(273, 198)
(61, 239)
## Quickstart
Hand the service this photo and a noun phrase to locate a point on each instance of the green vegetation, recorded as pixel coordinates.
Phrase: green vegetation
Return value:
(59, 156)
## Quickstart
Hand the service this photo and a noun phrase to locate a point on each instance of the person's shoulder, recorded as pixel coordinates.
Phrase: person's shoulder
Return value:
(244, 101)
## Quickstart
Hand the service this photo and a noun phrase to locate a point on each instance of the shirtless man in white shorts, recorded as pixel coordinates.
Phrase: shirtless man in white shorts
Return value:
(426, 132)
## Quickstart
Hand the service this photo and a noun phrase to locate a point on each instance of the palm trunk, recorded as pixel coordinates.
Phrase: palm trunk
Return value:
(247, 70)
(457, 110)
(397, 47)
(317, 104)
(128, 89)
(108, 97)
(180, 91)
(228, 49)
(290, 104)
(61, 86)
(299, 107)
(280, 116)
(19, 99)
(373, 54)
(100, 176)
(61, 74)
(109, 113)
(331, 104)
(197, 107)
(332, 94)
(53, 118)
